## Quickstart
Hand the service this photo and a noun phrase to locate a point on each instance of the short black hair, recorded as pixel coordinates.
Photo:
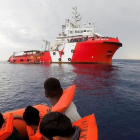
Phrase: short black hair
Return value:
(53, 87)
(1, 120)
(31, 116)
(56, 124)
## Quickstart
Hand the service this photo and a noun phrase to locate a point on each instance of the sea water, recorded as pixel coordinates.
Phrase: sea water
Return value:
(110, 92)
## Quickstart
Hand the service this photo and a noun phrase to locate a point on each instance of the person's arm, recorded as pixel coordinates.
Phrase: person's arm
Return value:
(18, 116)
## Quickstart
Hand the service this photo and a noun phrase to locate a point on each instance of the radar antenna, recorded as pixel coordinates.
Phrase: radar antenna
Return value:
(76, 16)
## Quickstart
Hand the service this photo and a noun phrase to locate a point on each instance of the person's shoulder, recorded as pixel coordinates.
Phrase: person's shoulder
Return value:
(76, 133)
(71, 108)
(72, 105)
(71, 113)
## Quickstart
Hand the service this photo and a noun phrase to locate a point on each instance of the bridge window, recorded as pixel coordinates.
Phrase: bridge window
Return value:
(84, 30)
(109, 51)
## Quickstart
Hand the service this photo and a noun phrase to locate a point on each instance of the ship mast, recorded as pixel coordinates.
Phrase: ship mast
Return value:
(76, 16)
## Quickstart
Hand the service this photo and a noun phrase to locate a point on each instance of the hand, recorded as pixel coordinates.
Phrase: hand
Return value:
(48, 110)
(17, 116)
(14, 116)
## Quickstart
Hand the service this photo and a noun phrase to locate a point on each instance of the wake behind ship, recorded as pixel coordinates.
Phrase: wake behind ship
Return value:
(74, 45)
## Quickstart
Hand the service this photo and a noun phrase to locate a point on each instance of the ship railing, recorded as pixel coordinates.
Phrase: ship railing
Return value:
(82, 39)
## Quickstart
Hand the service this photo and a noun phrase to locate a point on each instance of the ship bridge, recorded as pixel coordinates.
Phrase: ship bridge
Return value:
(70, 30)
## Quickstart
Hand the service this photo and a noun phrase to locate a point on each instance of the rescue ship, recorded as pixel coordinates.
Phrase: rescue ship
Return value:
(74, 45)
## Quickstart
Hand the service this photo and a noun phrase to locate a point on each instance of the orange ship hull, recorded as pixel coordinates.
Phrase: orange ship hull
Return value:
(98, 50)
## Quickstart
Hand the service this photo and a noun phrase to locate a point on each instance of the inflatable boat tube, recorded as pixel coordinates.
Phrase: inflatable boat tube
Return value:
(20, 124)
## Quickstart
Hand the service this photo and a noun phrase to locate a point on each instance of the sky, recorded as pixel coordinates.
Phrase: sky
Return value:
(24, 23)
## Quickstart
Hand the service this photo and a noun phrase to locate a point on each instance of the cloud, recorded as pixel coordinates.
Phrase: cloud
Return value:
(24, 23)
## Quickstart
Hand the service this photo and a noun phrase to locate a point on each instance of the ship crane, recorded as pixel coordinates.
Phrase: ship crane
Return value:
(47, 46)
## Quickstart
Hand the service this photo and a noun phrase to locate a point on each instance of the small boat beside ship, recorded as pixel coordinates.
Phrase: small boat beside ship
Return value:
(74, 45)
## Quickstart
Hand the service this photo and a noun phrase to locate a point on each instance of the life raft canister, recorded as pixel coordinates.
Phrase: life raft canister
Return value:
(88, 128)
(65, 100)
(7, 128)
(30, 130)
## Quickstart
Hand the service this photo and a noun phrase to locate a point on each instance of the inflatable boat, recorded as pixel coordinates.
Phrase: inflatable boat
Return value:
(87, 124)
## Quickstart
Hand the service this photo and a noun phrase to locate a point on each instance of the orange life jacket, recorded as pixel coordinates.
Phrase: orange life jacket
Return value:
(88, 128)
(65, 100)
(63, 103)
(37, 135)
(7, 127)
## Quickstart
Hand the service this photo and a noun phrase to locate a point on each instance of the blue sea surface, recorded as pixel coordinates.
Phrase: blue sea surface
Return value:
(111, 92)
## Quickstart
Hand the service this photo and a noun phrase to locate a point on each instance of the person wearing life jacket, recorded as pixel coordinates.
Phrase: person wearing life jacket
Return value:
(54, 91)
(57, 126)
(32, 118)
(7, 130)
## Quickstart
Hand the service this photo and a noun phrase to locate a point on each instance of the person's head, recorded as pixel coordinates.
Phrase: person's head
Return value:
(31, 116)
(53, 88)
(1, 120)
(56, 126)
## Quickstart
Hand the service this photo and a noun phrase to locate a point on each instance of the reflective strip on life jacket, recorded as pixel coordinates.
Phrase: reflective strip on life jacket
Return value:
(88, 128)
(37, 135)
(65, 100)
(7, 127)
